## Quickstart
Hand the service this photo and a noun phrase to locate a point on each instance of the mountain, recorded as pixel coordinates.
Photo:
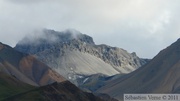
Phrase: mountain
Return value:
(24, 78)
(74, 55)
(26, 68)
(160, 75)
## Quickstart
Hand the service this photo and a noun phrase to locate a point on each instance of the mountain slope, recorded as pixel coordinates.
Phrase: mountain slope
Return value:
(74, 55)
(160, 75)
(26, 68)
(64, 91)
(14, 90)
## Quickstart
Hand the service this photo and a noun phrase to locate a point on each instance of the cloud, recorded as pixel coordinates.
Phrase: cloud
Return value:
(135, 25)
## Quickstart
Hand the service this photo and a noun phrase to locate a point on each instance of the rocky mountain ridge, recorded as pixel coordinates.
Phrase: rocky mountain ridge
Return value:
(84, 54)
(83, 43)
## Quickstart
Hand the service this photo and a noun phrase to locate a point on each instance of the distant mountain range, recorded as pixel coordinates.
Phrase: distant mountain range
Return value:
(160, 75)
(75, 55)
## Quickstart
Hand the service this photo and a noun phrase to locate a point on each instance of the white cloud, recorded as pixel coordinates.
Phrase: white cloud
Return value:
(143, 26)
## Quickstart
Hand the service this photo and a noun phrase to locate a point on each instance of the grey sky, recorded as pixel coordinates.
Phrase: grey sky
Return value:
(143, 26)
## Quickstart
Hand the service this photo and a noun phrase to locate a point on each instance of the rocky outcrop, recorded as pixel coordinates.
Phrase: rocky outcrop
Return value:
(50, 39)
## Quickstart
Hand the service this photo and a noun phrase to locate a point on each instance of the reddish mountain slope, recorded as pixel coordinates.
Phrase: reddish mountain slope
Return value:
(26, 68)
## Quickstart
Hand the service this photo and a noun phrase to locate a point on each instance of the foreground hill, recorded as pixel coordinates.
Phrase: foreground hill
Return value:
(64, 91)
(10, 86)
(161, 75)
(11, 89)
(75, 55)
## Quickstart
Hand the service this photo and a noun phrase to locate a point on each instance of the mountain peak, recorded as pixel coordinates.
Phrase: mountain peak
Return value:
(73, 53)
(66, 36)
(45, 38)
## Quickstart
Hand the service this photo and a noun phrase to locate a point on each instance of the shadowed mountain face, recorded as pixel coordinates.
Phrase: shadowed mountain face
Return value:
(26, 68)
(161, 75)
(73, 55)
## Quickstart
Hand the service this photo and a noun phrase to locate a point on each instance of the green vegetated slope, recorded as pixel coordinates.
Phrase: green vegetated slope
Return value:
(10, 86)
(64, 91)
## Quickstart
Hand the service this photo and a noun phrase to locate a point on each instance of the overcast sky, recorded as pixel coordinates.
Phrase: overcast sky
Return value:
(141, 26)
